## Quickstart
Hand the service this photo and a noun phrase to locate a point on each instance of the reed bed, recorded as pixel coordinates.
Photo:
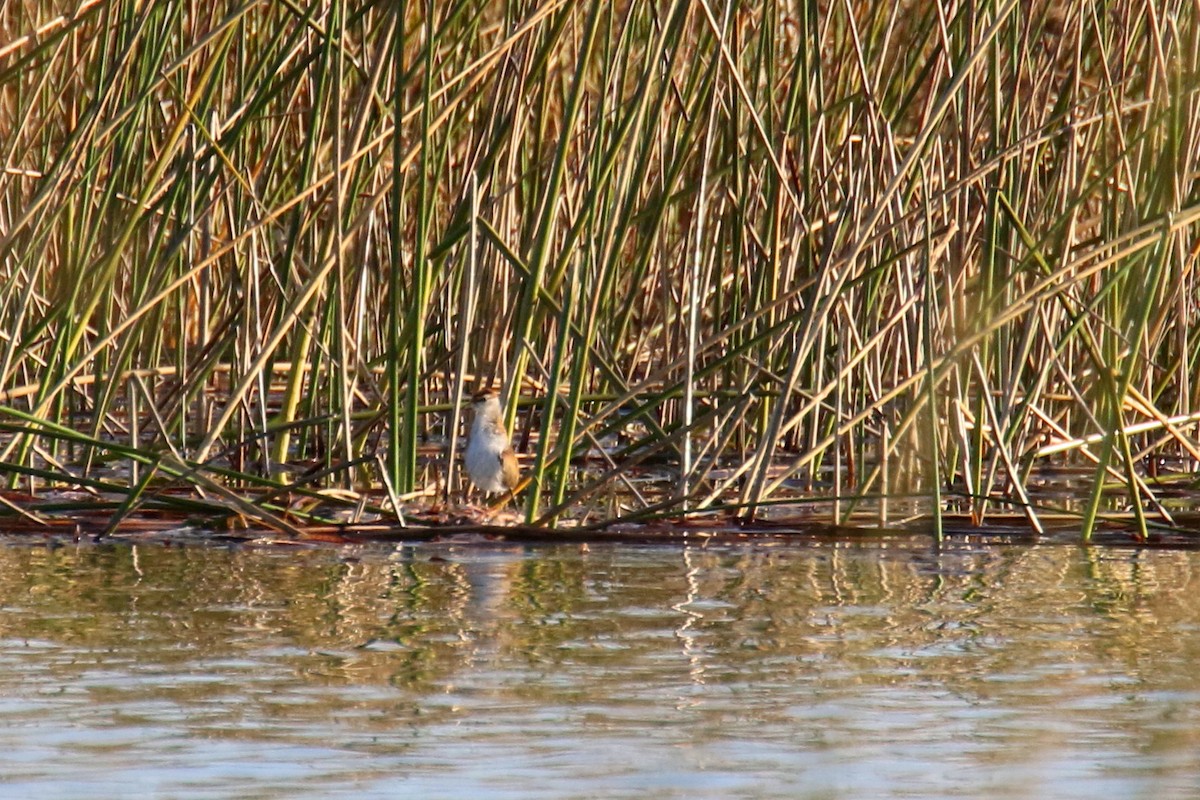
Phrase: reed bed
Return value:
(841, 255)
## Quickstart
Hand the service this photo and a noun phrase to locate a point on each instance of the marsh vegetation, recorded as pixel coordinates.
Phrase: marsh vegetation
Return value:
(819, 255)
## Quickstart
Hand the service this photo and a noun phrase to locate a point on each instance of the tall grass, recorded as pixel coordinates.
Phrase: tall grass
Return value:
(768, 252)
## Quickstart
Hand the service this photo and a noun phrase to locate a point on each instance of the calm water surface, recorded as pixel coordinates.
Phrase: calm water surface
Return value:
(884, 669)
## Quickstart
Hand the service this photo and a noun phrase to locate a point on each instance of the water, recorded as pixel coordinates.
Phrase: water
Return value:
(885, 669)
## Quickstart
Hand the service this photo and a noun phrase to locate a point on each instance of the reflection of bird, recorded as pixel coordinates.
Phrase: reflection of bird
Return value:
(491, 462)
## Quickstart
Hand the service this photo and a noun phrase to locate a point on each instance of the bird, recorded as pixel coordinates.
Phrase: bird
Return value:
(490, 460)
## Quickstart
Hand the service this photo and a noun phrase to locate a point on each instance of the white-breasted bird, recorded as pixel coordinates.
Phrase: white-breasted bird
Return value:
(490, 460)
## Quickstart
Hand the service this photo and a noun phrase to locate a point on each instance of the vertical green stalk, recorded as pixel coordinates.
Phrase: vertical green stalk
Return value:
(550, 401)
(466, 318)
(422, 271)
(579, 371)
(693, 290)
(930, 310)
(549, 210)
(340, 332)
(395, 274)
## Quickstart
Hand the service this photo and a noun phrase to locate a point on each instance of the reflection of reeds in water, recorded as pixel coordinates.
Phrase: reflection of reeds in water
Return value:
(932, 251)
(841, 616)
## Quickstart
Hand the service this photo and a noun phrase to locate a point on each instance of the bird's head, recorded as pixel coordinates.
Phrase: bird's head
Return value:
(486, 404)
(482, 398)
